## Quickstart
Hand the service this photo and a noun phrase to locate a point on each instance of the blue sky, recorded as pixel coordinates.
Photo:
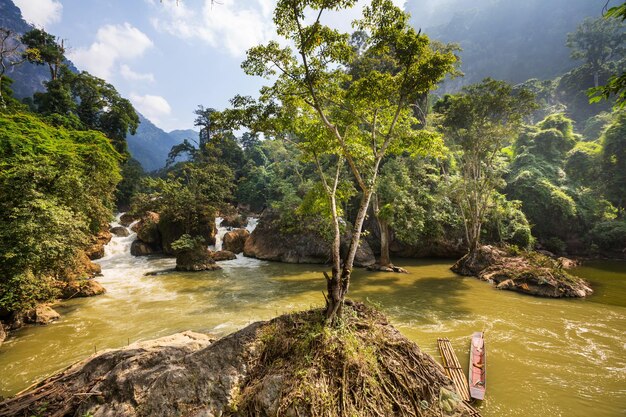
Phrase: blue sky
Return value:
(166, 58)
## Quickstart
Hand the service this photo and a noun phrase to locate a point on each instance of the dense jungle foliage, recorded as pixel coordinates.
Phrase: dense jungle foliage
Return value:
(531, 165)
(61, 155)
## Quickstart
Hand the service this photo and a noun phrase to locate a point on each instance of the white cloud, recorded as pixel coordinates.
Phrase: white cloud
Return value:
(128, 74)
(40, 12)
(229, 25)
(235, 26)
(152, 107)
(113, 43)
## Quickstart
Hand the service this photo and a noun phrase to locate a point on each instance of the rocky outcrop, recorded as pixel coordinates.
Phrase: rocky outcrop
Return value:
(234, 221)
(127, 219)
(156, 234)
(82, 288)
(147, 229)
(222, 255)
(235, 240)
(3, 334)
(81, 267)
(95, 250)
(266, 369)
(120, 231)
(41, 315)
(192, 254)
(139, 248)
(364, 254)
(269, 243)
(526, 272)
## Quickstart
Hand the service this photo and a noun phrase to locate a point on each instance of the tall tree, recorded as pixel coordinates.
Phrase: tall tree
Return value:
(616, 85)
(597, 41)
(614, 163)
(335, 115)
(479, 122)
(43, 48)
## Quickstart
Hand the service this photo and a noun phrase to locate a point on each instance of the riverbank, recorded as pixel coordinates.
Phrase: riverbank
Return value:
(566, 353)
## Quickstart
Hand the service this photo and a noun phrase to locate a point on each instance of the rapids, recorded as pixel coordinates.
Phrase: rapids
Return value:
(544, 357)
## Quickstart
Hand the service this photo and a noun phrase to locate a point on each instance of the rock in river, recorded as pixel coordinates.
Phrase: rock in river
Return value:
(527, 272)
(268, 242)
(235, 240)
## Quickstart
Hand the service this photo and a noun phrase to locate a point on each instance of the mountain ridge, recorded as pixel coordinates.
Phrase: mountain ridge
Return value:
(150, 145)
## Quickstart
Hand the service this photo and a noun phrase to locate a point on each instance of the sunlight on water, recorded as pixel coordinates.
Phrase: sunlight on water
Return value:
(546, 357)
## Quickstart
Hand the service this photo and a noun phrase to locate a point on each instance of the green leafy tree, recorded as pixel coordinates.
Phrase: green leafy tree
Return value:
(132, 175)
(478, 123)
(597, 41)
(614, 162)
(56, 190)
(616, 85)
(410, 204)
(187, 200)
(43, 48)
(89, 103)
(347, 119)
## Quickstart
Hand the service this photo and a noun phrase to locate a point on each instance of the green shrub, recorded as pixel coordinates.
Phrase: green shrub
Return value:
(610, 235)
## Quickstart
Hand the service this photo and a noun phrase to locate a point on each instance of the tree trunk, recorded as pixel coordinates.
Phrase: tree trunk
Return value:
(385, 259)
(339, 283)
(383, 227)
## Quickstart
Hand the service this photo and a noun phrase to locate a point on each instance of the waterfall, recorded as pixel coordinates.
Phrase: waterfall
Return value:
(252, 222)
(123, 273)
(221, 231)
(119, 245)
(219, 236)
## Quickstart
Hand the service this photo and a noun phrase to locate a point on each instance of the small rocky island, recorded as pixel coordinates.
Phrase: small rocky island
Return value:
(293, 365)
(527, 272)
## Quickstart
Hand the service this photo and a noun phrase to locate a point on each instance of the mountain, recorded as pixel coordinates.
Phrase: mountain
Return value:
(182, 134)
(503, 39)
(27, 78)
(150, 145)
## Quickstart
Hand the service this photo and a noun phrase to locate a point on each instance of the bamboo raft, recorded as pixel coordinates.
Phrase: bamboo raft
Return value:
(453, 369)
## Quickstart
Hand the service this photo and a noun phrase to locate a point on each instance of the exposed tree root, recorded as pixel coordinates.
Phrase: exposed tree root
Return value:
(362, 367)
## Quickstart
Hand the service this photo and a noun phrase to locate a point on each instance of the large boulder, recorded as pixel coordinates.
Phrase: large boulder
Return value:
(364, 254)
(139, 248)
(192, 255)
(147, 228)
(235, 240)
(126, 219)
(120, 231)
(3, 334)
(284, 367)
(41, 315)
(268, 242)
(172, 230)
(95, 250)
(234, 221)
(526, 272)
(82, 288)
(222, 255)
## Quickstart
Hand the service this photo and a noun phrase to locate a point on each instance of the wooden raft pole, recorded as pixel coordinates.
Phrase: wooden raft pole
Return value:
(453, 369)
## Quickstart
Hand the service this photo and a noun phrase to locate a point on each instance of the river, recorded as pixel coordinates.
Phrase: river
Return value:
(545, 357)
